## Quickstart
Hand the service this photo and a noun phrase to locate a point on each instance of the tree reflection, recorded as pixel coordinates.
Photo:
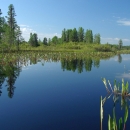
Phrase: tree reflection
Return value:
(79, 64)
(119, 58)
(9, 71)
(12, 72)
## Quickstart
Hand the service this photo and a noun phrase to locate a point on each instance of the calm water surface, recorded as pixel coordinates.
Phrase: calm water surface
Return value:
(63, 95)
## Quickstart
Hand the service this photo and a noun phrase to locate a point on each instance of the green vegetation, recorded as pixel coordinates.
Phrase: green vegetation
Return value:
(125, 96)
(72, 40)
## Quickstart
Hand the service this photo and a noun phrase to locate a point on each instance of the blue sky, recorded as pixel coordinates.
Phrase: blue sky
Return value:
(110, 18)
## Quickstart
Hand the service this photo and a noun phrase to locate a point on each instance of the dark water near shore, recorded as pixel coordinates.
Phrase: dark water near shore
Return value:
(62, 95)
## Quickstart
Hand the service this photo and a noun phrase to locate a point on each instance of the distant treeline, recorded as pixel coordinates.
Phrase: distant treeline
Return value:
(69, 35)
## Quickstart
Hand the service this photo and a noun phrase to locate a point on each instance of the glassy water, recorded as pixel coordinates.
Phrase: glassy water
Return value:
(60, 94)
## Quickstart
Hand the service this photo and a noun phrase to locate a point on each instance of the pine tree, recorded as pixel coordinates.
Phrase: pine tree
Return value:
(11, 23)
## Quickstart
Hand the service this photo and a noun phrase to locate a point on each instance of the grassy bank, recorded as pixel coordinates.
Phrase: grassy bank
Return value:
(68, 47)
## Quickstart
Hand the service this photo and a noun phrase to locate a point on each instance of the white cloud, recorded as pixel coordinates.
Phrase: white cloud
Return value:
(26, 30)
(123, 22)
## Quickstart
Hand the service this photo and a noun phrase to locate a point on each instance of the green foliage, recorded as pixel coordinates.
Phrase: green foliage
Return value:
(81, 34)
(97, 38)
(124, 93)
(68, 35)
(64, 35)
(33, 41)
(45, 41)
(103, 48)
(89, 36)
(11, 23)
(55, 40)
(74, 35)
(125, 89)
(1, 30)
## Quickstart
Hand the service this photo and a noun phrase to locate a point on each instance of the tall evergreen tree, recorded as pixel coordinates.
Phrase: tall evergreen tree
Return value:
(89, 36)
(120, 43)
(74, 35)
(45, 41)
(11, 22)
(67, 35)
(80, 34)
(64, 35)
(70, 35)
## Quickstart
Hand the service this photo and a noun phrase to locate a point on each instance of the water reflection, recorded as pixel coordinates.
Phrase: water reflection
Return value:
(79, 64)
(9, 72)
(11, 64)
(119, 58)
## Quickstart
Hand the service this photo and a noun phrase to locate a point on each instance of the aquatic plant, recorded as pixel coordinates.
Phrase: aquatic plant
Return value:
(124, 93)
(116, 89)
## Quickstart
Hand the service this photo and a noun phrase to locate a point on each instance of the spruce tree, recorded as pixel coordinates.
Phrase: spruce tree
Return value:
(11, 23)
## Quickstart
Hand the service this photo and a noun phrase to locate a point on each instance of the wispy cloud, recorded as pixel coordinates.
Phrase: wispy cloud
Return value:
(123, 22)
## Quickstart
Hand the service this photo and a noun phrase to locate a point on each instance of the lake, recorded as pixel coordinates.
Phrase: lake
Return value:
(60, 93)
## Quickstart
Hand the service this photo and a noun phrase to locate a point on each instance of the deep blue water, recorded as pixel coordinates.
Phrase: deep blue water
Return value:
(48, 98)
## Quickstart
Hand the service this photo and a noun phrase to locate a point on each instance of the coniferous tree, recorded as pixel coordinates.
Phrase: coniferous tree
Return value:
(45, 41)
(89, 36)
(33, 41)
(120, 44)
(64, 35)
(67, 35)
(11, 23)
(70, 35)
(74, 35)
(80, 34)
